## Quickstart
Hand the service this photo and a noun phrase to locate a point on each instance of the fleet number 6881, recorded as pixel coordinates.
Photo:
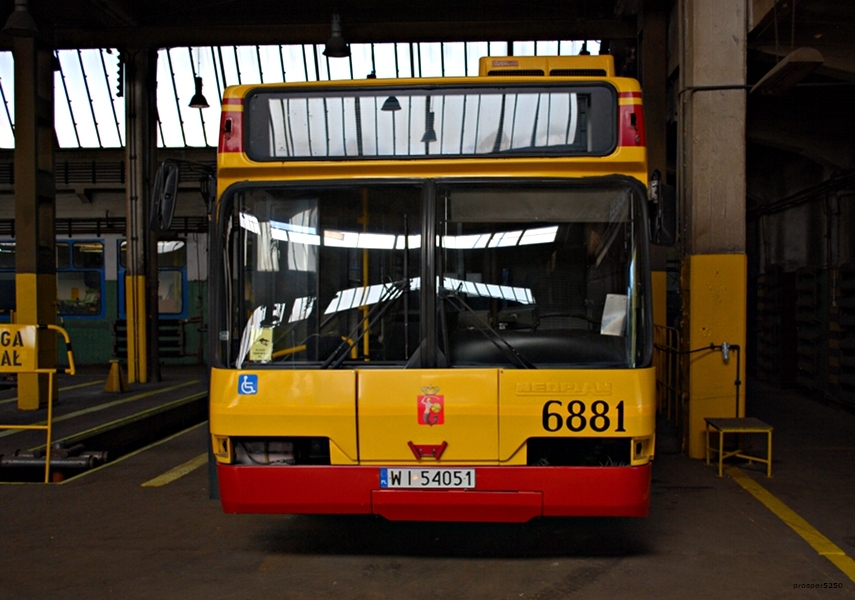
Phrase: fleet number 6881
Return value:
(579, 417)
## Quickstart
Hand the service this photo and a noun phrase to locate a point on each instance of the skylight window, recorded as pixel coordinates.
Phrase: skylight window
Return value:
(88, 113)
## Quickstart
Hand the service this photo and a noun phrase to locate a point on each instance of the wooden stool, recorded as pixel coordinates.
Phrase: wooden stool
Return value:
(747, 425)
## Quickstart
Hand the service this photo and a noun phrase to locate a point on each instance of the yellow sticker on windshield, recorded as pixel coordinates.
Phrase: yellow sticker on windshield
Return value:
(261, 349)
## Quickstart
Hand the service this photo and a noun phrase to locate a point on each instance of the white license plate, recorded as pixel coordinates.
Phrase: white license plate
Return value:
(427, 478)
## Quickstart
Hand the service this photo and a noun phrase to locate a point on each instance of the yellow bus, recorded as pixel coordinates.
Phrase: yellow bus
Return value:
(430, 299)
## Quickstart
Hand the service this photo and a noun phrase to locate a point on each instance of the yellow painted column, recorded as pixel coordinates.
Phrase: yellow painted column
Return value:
(135, 309)
(35, 300)
(35, 208)
(140, 153)
(714, 309)
(712, 44)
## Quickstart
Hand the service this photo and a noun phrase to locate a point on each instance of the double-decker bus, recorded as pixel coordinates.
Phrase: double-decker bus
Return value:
(430, 299)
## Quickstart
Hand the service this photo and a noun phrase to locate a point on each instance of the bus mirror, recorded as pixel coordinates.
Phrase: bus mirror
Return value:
(663, 216)
(164, 195)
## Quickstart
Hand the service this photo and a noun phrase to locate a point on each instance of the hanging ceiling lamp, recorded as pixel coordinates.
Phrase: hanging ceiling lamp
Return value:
(391, 104)
(20, 23)
(790, 71)
(336, 46)
(430, 132)
(198, 100)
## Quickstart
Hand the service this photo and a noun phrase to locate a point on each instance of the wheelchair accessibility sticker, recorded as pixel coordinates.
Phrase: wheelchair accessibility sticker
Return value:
(248, 384)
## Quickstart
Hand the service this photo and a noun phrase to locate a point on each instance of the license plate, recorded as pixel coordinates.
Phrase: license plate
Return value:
(427, 478)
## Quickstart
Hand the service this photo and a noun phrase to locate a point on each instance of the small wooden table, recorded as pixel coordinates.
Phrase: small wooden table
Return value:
(746, 425)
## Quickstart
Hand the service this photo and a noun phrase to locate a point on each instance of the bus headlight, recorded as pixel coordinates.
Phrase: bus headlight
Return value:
(222, 448)
(642, 450)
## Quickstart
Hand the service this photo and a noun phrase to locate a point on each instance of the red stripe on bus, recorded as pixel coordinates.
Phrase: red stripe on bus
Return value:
(502, 494)
(231, 131)
(631, 125)
(629, 95)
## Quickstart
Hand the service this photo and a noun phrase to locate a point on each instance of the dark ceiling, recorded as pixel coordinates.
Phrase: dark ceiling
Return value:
(164, 23)
(827, 25)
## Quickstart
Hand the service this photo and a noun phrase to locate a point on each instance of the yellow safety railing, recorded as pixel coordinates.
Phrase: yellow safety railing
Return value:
(669, 371)
(19, 354)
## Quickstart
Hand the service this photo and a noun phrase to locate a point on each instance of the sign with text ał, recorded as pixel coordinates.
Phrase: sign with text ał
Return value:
(18, 348)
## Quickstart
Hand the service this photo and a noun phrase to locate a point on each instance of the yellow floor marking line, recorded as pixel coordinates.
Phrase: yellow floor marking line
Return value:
(82, 385)
(75, 437)
(105, 406)
(178, 472)
(824, 546)
(62, 389)
(109, 464)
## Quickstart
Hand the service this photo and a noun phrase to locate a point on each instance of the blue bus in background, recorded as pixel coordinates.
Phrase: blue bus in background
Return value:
(91, 296)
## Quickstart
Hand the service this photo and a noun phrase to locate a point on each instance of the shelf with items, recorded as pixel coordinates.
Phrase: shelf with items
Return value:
(773, 326)
(809, 324)
(842, 338)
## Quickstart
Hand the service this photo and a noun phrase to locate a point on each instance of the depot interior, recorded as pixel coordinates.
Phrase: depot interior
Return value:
(748, 114)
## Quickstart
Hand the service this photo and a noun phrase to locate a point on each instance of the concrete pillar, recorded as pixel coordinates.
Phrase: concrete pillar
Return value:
(140, 152)
(711, 176)
(35, 208)
(652, 72)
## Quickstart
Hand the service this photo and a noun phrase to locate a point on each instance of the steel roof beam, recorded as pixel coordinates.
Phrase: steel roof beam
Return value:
(112, 13)
(294, 33)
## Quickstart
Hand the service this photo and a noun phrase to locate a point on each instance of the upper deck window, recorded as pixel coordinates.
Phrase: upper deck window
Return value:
(411, 122)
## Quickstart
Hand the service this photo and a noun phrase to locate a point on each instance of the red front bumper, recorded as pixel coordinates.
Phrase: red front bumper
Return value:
(503, 494)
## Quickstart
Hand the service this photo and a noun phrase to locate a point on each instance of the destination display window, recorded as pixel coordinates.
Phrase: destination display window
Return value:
(418, 122)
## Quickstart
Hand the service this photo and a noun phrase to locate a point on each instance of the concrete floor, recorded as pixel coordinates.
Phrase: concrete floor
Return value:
(103, 535)
(82, 404)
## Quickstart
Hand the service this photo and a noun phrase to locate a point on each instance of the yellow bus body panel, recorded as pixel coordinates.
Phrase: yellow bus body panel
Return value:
(391, 408)
(547, 64)
(488, 414)
(236, 167)
(288, 403)
(523, 395)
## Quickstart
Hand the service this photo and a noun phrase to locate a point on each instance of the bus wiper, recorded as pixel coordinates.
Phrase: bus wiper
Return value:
(394, 290)
(505, 347)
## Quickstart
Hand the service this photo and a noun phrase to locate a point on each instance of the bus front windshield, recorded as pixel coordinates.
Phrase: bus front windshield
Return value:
(517, 275)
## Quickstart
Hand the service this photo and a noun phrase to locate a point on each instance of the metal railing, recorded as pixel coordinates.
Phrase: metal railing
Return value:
(21, 342)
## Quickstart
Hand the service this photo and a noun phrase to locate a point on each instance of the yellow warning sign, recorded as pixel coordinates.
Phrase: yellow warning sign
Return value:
(18, 349)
